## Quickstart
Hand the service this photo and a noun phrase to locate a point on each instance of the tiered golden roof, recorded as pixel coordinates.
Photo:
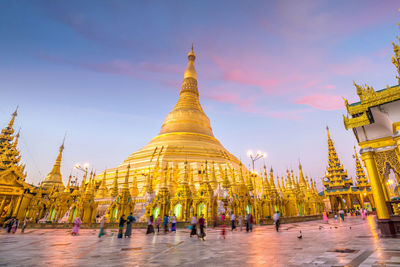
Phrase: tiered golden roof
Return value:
(362, 180)
(9, 153)
(336, 176)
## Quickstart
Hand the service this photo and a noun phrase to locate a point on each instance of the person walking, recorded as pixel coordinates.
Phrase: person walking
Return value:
(121, 225)
(77, 226)
(129, 222)
(173, 223)
(223, 226)
(193, 223)
(158, 222)
(251, 221)
(240, 221)
(150, 228)
(247, 222)
(202, 222)
(277, 220)
(363, 215)
(102, 226)
(24, 225)
(233, 217)
(341, 213)
(165, 224)
(15, 226)
(9, 224)
(325, 216)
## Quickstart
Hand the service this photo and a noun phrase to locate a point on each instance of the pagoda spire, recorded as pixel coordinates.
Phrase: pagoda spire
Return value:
(278, 186)
(266, 183)
(125, 186)
(114, 189)
(188, 116)
(396, 58)
(102, 191)
(336, 176)
(190, 71)
(361, 178)
(226, 183)
(214, 182)
(15, 113)
(54, 177)
(271, 178)
(134, 190)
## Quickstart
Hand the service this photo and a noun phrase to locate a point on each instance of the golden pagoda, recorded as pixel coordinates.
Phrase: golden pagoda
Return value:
(185, 135)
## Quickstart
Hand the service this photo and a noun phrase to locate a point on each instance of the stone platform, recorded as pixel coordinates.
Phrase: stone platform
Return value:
(333, 244)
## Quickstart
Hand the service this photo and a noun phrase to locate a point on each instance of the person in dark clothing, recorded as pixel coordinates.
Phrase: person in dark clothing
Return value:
(202, 222)
(121, 226)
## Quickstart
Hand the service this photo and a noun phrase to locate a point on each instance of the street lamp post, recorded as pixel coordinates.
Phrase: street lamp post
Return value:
(83, 169)
(255, 157)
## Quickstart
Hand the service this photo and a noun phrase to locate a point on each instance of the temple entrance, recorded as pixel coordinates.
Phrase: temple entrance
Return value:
(156, 212)
(178, 211)
(248, 209)
(114, 214)
(200, 209)
(390, 181)
(74, 214)
(53, 214)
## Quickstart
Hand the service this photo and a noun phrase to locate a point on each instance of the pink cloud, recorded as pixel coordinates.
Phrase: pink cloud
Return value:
(322, 101)
(245, 74)
(330, 86)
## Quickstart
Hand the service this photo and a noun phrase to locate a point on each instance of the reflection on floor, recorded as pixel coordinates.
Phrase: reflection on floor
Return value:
(352, 243)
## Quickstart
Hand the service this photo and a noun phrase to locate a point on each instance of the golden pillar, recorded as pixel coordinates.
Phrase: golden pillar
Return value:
(367, 155)
(396, 138)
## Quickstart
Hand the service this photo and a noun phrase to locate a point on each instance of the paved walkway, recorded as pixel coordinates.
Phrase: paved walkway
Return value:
(335, 244)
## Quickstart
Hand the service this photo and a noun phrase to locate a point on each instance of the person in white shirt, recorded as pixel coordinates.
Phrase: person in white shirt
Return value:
(173, 223)
(277, 220)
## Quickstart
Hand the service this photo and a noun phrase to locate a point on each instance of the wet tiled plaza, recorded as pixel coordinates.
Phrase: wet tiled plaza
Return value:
(352, 243)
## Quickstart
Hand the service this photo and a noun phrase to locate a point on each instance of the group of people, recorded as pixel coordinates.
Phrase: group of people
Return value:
(129, 222)
(172, 220)
(249, 221)
(12, 225)
(167, 220)
(342, 214)
(202, 225)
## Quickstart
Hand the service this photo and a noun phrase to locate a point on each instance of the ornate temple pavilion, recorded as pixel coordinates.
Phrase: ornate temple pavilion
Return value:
(375, 122)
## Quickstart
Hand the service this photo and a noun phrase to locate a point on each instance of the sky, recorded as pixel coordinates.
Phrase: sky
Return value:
(271, 75)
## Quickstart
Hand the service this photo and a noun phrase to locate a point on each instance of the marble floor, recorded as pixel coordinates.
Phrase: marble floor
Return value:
(352, 243)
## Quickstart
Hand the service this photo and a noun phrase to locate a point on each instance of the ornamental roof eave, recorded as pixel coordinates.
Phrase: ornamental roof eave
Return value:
(368, 98)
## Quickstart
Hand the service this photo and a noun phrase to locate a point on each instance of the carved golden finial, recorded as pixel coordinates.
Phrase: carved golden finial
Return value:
(327, 129)
(396, 60)
(190, 70)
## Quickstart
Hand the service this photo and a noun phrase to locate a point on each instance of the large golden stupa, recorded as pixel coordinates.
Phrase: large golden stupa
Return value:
(186, 135)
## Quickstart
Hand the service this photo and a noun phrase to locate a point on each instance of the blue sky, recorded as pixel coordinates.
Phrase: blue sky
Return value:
(271, 75)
